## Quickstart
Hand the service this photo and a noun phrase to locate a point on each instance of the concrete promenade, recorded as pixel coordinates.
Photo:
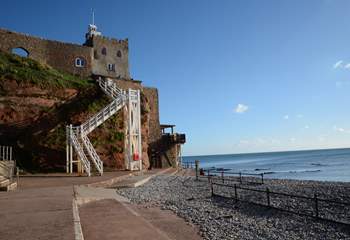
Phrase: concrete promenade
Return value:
(41, 208)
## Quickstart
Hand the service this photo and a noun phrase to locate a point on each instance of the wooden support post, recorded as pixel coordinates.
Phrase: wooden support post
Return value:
(212, 189)
(197, 169)
(222, 176)
(316, 205)
(70, 149)
(240, 177)
(262, 178)
(236, 193)
(268, 196)
(10, 153)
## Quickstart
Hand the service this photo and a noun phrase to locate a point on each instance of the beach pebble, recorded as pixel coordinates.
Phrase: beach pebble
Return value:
(218, 218)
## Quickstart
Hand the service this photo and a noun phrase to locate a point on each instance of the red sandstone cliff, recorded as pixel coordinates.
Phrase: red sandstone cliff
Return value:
(34, 114)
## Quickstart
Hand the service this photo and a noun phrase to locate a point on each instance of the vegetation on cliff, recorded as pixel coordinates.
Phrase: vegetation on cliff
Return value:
(26, 70)
(37, 102)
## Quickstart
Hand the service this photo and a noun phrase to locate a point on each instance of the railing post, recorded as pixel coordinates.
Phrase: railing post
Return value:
(316, 204)
(236, 194)
(262, 178)
(212, 189)
(17, 175)
(268, 196)
(197, 169)
(208, 175)
(240, 177)
(222, 176)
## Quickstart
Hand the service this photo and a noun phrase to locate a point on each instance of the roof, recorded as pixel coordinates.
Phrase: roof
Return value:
(162, 126)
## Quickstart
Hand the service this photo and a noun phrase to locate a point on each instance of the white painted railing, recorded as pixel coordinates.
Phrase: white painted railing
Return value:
(93, 154)
(6, 153)
(78, 148)
(78, 135)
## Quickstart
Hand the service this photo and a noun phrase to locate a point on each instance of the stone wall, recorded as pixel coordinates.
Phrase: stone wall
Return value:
(56, 54)
(109, 51)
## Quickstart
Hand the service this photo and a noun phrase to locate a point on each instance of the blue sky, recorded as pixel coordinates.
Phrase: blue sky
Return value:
(235, 76)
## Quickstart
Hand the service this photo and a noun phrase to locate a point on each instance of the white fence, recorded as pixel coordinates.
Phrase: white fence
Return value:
(5, 153)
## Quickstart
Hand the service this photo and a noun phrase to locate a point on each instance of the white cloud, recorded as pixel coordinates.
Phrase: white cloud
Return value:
(341, 64)
(338, 64)
(306, 127)
(241, 108)
(340, 129)
(292, 139)
(300, 116)
(286, 117)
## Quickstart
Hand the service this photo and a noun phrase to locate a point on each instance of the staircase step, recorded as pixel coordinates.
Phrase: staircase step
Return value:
(9, 187)
(4, 183)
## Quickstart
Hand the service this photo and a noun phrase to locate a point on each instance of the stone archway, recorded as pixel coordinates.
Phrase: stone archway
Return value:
(20, 51)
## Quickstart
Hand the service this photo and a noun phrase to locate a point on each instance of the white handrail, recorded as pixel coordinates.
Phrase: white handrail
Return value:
(81, 132)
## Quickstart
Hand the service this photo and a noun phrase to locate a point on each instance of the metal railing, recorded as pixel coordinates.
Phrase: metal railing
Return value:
(231, 176)
(188, 164)
(5, 153)
(93, 154)
(314, 206)
(79, 149)
(7, 162)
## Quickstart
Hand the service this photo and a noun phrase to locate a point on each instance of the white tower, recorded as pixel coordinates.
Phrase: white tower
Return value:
(92, 29)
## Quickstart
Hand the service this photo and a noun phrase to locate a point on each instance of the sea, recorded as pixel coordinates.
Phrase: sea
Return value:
(321, 165)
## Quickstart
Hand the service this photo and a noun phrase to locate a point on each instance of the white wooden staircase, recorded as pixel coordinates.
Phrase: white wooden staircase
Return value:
(77, 138)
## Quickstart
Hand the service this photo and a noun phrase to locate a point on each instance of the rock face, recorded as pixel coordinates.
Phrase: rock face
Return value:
(37, 102)
(33, 120)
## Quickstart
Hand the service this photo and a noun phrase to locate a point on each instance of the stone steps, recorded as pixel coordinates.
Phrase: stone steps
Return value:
(7, 185)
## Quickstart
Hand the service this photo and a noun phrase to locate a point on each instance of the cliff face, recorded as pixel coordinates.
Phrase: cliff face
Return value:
(36, 104)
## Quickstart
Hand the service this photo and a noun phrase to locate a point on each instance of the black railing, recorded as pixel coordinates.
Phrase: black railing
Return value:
(230, 176)
(188, 164)
(320, 208)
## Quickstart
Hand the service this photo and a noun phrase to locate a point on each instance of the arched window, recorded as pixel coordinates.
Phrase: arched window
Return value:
(80, 62)
(22, 52)
(95, 54)
(119, 53)
(104, 51)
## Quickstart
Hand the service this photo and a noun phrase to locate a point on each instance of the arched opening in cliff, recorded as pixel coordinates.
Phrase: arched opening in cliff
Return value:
(22, 52)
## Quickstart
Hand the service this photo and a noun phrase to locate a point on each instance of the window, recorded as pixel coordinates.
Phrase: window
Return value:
(79, 62)
(20, 52)
(111, 67)
(104, 51)
(95, 54)
(119, 53)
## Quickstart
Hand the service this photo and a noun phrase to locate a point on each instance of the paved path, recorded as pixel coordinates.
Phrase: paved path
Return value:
(44, 213)
(42, 209)
(106, 215)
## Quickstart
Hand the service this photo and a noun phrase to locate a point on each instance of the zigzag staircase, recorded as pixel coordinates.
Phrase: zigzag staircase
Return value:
(77, 136)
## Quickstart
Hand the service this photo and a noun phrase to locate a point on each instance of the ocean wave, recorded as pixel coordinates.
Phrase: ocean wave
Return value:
(300, 171)
(261, 169)
(319, 164)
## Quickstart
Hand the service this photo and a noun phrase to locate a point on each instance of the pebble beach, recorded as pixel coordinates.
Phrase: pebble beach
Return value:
(221, 218)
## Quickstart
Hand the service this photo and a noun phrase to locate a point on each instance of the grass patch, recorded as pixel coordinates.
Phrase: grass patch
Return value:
(26, 70)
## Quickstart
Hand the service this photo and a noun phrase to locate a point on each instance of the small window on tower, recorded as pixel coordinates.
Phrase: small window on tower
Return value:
(79, 62)
(111, 67)
(119, 53)
(104, 51)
